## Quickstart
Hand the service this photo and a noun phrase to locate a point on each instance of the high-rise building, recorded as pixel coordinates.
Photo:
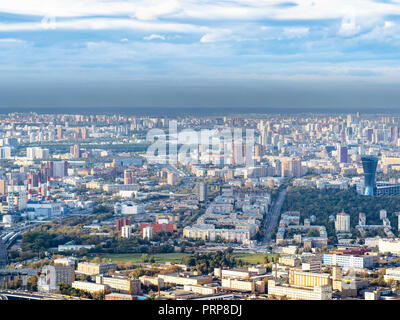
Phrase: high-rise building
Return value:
(202, 188)
(171, 178)
(129, 177)
(75, 151)
(119, 223)
(147, 233)
(342, 223)
(342, 154)
(5, 152)
(291, 168)
(369, 164)
(58, 168)
(3, 186)
(398, 220)
(59, 132)
(126, 231)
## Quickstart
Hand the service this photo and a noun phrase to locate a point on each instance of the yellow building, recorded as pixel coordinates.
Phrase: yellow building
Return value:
(309, 279)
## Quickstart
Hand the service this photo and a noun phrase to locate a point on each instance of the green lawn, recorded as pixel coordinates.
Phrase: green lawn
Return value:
(253, 258)
(136, 257)
(248, 258)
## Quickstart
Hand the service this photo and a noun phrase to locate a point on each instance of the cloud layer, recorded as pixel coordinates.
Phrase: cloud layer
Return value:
(149, 39)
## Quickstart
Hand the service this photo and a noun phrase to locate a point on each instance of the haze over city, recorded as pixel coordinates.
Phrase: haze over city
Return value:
(274, 54)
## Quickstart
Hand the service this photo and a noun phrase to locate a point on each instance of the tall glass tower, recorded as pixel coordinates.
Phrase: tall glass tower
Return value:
(369, 164)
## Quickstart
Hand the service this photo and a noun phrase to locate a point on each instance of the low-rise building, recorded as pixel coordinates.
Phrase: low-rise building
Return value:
(243, 285)
(93, 269)
(298, 292)
(185, 278)
(89, 286)
(120, 283)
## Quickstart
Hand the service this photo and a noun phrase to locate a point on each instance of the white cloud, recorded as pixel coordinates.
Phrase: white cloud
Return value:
(205, 10)
(11, 40)
(107, 23)
(154, 36)
(349, 27)
(389, 24)
(296, 32)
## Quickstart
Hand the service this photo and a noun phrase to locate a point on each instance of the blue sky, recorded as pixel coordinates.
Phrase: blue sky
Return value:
(300, 41)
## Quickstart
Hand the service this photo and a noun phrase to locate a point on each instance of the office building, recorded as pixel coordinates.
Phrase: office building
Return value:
(369, 164)
(350, 261)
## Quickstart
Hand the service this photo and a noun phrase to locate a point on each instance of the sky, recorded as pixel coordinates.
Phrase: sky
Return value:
(190, 53)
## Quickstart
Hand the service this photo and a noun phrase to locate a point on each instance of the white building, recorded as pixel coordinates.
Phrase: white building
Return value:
(342, 223)
(33, 153)
(47, 209)
(126, 231)
(148, 233)
(5, 152)
(89, 286)
(389, 245)
(392, 274)
(129, 207)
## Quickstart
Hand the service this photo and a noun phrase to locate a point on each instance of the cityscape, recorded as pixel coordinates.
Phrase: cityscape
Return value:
(266, 207)
(199, 159)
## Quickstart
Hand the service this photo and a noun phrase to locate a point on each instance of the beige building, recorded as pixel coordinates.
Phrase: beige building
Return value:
(204, 290)
(151, 281)
(120, 283)
(298, 292)
(185, 279)
(243, 285)
(290, 261)
(93, 269)
(89, 286)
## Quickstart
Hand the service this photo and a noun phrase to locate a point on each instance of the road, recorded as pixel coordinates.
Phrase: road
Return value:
(26, 295)
(271, 221)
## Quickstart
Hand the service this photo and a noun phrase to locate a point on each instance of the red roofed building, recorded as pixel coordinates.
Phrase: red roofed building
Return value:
(158, 227)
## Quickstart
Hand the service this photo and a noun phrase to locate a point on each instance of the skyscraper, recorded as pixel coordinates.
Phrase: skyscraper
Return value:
(369, 164)
(202, 188)
(342, 154)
